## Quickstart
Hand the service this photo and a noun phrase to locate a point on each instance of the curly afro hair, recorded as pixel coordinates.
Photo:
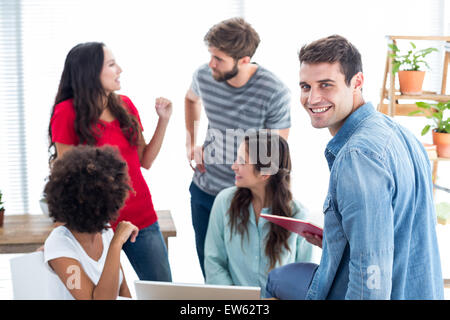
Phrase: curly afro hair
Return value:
(87, 187)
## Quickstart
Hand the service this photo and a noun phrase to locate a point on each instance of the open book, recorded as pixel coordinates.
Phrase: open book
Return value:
(294, 225)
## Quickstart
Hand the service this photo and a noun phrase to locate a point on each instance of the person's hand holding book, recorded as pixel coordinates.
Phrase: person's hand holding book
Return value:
(312, 238)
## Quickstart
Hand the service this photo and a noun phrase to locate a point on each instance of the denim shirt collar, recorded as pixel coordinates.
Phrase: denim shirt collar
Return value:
(346, 131)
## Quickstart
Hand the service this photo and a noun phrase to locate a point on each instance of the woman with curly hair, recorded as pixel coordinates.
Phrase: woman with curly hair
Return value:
(85, 191)
(241, 248)
(88, 111)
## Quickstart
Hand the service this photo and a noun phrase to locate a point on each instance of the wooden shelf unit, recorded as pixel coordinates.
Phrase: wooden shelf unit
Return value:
(392, 107)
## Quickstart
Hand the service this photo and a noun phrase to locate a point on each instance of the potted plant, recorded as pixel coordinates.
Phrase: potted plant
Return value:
(2, 209)
(441, 125)
(408, 66)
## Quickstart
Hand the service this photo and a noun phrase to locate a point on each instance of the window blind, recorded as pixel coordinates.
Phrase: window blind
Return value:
(13, 152)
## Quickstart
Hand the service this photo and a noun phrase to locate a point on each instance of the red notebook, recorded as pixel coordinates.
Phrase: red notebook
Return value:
(294, 225)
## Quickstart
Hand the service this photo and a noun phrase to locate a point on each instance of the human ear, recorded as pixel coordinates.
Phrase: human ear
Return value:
(244, 60)
(358, 81)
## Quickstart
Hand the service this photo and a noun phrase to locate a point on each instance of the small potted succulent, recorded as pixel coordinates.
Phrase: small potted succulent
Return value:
(408, 65)
(439, 113)
(2, 209)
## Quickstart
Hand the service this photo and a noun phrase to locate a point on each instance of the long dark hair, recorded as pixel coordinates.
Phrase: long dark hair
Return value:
(80, 81)
(278, 193)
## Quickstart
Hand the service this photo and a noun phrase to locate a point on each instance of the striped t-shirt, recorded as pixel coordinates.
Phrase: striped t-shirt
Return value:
(262, 103)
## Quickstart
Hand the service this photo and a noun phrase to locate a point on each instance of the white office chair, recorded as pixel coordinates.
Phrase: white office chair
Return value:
(32, 279)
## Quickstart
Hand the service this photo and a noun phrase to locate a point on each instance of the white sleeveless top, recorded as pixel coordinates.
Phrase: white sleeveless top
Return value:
(61, 243)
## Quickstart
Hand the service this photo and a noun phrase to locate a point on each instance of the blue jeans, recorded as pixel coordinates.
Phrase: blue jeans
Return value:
(201, 204)
(291, 281)
(148, 255)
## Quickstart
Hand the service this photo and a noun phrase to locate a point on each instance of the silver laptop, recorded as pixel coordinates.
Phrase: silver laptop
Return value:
(156, 290)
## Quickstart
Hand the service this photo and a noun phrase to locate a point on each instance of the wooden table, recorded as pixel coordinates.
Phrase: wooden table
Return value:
(166, 225)
(26, 232)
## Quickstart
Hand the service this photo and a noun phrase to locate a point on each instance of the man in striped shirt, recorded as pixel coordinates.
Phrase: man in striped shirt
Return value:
(238, 95)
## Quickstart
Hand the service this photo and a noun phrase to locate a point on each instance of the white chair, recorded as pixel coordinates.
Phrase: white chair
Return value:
(32, 279)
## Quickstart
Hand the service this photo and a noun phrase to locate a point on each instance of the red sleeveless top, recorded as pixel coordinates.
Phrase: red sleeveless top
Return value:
(138, 207)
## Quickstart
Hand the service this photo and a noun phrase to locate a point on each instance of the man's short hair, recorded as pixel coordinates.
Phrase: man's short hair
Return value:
(333, 49)
(235, 37)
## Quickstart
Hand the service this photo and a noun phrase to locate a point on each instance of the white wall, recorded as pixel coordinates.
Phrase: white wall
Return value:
(159, 44)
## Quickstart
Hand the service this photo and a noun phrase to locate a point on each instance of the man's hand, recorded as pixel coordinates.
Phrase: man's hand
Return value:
(312, 238)
(195, 157)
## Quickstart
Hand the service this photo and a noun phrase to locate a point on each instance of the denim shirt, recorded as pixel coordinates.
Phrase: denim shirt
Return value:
(379, 226)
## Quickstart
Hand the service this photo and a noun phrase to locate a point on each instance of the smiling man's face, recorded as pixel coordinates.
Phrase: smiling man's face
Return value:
(325, 95)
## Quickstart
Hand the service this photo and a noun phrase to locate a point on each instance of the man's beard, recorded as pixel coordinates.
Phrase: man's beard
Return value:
(221, 77)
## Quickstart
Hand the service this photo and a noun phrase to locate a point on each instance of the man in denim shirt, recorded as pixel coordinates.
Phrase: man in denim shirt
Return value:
(379, 239)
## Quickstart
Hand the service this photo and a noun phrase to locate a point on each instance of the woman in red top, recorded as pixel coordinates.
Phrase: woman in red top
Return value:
(87, 111)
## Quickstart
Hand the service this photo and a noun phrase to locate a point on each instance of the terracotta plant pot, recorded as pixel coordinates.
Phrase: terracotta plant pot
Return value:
(2, 215)
(411, 82)
(442, 142)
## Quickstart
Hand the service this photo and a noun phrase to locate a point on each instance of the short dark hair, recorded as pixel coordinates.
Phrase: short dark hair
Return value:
(87, 187)
(333, 49)
(235, 37)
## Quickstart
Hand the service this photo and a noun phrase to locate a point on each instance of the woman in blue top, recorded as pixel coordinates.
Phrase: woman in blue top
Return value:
(241, 248)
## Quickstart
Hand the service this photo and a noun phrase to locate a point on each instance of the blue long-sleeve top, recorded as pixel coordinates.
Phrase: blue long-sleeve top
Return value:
(233, 259)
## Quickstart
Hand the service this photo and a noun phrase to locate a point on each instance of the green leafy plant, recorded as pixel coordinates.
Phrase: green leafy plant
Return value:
(411, 60)
(1, 203)
(436, 112)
